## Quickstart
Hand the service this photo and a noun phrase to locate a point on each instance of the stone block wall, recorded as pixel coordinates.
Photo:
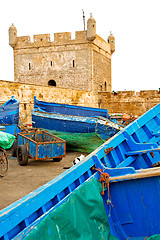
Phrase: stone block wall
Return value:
(120, 102)
(25, 94)
(129, 102)
(101, 72)
(77, 63)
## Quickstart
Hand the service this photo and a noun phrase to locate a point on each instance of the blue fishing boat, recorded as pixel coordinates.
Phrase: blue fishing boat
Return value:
(9, 115)
(68, 109)
(111, 194)
(83, 134)
(84, 129)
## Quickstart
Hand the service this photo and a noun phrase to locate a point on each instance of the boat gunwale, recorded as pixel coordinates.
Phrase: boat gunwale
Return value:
(70, 106)
(142, 173)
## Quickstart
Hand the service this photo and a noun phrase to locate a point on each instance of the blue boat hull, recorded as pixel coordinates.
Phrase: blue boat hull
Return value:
(78, 126)
(124, 166)
(72, 124)
(136, 208)
(67, 109)
(9, 115)
(9, 112)
(63, 123)
(133, 209)
(65, 118)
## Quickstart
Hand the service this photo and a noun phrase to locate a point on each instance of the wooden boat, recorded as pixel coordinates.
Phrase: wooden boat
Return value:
(80, 133)
(9, 115)
(130, 191)
(9, 112)
(83, 131)
(68, 109)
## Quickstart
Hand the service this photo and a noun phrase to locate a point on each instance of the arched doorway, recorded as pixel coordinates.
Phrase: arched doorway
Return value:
(52, 83)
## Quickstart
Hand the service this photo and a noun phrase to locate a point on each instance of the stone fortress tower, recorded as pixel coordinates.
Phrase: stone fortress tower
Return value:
(83, 63)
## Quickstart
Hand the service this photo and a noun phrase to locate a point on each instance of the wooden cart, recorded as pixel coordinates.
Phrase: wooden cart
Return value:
(39, 144)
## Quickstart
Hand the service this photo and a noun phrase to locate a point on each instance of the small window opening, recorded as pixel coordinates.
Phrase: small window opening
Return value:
(29, 66)
(73, 64)
(105, 86)
(51, 63)
(52, 83)
(25, 106)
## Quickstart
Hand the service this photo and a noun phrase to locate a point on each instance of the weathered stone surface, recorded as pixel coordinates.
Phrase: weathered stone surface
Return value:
(66, 63)
(79, 71)
(120, 102)
(25, 94)
(129, 101)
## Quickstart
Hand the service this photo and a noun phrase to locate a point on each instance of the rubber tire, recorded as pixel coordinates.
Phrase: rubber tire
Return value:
(22, 155)
(3, 159)
(57, 159)
(14, 148)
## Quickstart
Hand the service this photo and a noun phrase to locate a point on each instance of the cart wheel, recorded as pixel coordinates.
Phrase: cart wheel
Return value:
(57, 159)
(14, 148)
(3, 163)
(22, 155)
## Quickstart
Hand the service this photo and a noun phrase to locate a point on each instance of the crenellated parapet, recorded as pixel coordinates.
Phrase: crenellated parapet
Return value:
(24, 40)
(62, 37)
(87, 36)
(41, 38)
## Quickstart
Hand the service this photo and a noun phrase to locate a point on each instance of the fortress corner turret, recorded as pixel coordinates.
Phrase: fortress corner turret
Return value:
(91, 29)
(111, 41)
(12, 36)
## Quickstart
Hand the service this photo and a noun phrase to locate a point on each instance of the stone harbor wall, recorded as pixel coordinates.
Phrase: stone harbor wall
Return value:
(121, 102)
(25, 94)
(130, 102)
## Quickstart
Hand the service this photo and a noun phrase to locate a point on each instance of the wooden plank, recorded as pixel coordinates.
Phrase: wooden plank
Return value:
(144, 173)
(132, 153)
(127, 162)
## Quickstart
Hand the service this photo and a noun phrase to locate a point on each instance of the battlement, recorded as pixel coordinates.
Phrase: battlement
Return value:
(58, 37)
(131, 94)
(41, 38)
(81, 35)
(62, 37)
(24, 40)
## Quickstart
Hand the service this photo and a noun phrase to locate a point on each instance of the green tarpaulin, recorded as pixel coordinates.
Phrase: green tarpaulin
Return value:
(155, 237)
(81, 217)
(81, 142)
(6, 140)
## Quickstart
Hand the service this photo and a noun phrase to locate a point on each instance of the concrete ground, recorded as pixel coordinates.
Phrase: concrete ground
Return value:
(22, 180)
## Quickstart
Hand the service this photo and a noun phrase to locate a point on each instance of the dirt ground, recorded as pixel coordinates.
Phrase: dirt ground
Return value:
(22, 180)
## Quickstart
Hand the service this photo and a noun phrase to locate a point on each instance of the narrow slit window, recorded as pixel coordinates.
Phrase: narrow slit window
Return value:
(73, 64)
(105, 86)
(51, 63)
(29, 66)
(25, 106)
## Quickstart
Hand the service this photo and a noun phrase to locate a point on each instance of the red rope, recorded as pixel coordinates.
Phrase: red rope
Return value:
(104, 179)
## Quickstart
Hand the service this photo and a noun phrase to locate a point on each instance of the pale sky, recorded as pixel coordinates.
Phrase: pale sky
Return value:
(134, 23)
